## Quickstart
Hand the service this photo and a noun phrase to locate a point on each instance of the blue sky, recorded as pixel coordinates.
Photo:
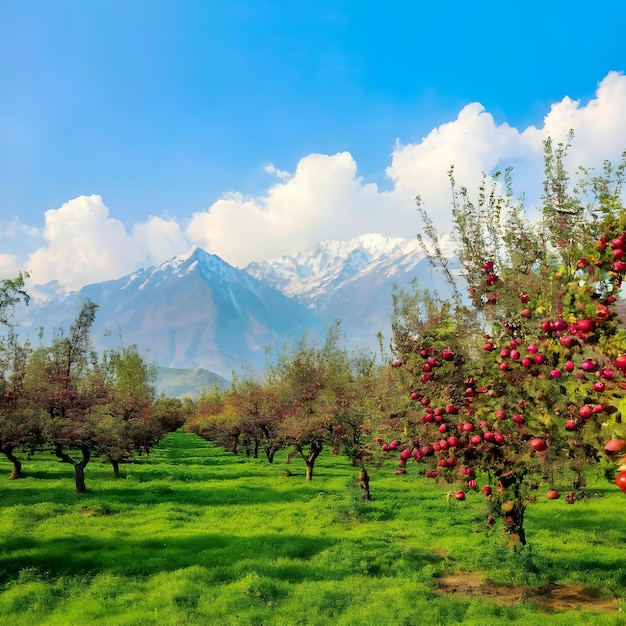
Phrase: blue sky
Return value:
(149, 125)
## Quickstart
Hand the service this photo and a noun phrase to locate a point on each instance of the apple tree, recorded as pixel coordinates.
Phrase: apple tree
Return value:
(319, 387)
(123, 420)
(66, 384)
(517, 381)
(20, 425)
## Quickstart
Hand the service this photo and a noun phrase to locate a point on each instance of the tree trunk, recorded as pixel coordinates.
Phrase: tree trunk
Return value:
(314, 451)
(364, 483)
(269, 453)
(17, 465)
(116, 468)
(80, 478)
(79, 467)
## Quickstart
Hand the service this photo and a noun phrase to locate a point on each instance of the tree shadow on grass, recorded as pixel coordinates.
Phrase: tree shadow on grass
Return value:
(224, 557)
(129, 495)
(85, 555)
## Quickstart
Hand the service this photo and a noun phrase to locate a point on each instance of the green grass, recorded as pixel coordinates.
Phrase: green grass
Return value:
(195, 535)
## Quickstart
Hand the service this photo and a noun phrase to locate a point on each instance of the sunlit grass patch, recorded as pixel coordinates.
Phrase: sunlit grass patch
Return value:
(195, 535)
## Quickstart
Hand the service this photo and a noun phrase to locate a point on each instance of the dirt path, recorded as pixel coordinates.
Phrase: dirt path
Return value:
(550, 597)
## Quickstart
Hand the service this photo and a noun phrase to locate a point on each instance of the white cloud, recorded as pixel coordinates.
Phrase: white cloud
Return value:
(599, 126)
(9, 265)
(158, 239)
(325, 198)
(85, 244)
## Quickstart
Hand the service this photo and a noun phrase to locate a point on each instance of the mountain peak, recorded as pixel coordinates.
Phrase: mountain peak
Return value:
(197, 259)
(330, 263)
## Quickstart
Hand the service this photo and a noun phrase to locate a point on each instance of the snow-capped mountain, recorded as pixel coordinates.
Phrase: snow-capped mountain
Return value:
(194, 310)
(197, 311)
(311, 274)
(353, 280)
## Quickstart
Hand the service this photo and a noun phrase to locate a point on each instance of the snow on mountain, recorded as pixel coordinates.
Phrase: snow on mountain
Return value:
(194, 310)
(197, 311)
(331, 264)
(353, 280)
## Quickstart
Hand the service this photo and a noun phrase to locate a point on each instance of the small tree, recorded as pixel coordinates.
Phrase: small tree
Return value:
(125, 423)
(20, 423)
(68, 387)
(317, 383)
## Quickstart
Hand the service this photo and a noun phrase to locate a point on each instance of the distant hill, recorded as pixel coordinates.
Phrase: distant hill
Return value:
(187, 382)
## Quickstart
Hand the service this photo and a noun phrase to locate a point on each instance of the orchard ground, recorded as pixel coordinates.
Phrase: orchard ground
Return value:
(193, 534)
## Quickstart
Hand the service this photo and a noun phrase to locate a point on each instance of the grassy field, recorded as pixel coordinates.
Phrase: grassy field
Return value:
(195, 535)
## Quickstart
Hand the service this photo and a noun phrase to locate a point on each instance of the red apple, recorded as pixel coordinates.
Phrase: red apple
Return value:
(552, 494)
(588, 365)
(559, 325)
(538, 444)
(585, 325)
(615, 448)
(447, 354)
(619, 242)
